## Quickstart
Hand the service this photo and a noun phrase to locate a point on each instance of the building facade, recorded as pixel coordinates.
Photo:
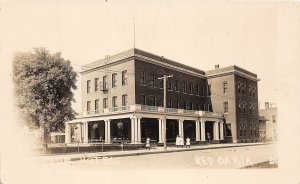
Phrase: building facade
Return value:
(270, 113)
(122, 99)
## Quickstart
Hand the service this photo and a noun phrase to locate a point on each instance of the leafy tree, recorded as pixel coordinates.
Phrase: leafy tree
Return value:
(43, 87)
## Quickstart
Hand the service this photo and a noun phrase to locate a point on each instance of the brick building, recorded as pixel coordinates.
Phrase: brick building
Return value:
(122, 99)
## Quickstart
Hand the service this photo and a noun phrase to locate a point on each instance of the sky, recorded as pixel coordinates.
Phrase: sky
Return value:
(262, 37)
(193, 33)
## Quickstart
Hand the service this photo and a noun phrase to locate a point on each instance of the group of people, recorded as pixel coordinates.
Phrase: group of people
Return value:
(180, 142)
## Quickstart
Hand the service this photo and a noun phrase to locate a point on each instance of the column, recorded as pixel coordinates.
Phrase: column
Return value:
(138, 130)
(197, 130)
(107, 131)
(132, 130)
(216, 130)
(67, 133)
(85, 132)
(160, 131)
(180, 126)
(221, 130)
(80, 132)
(202, 130)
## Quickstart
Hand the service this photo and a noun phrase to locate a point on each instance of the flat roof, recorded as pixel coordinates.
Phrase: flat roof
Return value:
(230, 69)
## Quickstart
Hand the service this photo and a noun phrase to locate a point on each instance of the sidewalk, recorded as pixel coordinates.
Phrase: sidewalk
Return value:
(156, 150)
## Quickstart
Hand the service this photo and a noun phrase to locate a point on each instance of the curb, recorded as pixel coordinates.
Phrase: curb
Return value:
(159, 152)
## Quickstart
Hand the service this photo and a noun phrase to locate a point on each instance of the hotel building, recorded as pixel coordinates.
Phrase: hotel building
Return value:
(122, 100)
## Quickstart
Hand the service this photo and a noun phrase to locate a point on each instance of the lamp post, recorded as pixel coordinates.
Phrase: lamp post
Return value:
(164, 78)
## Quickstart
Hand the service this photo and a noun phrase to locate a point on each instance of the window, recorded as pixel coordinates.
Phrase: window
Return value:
(96, 84)
(184, 87)
(208, 90)
(105, 103)
(177, 104)
(209, 107)
(88, 106)
(169, 83)
(161, 83)
(198, 107)
(124, 100)
(153, 82)
(97, 105)
(143, 77)
(143, 99)
(176, 85)
(124, 78)
(225, 88)
(245, 131)
(152, 100)
(250, 90)
(88, 86)
(184, 105)
(169, 105)
(273, 118)
(114, 101)
(225, 107)
(191, 88)
(203, 91)
(191, 106)
(114, 80)
(239, 87)
(203, 107)
(105, 83)
(198, 89)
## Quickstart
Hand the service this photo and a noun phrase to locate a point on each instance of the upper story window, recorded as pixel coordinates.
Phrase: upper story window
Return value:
(124, 100)
(161, 83)
(184, 88)
(225, 107)
(169, 80)
(208, 90)
(88, 86)
(105, 86)
(96, 84)
(176, 87)
(105, 103)
(143, 99)
(88, 106)
(114, 80)
(124, 77)
(273, 118)
(143, 77)
(153, 81)
(152, 100)
(203, 91)
(190, 88)
(97, 105)
(169, 105)
(191, 106)
(177, 104)
(198, 89)
(114, 101)
(209, 107)
(225, 87)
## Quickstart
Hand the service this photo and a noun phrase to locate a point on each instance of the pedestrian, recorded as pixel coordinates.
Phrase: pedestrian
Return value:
(208, 137)
(148, 143)
(181, 142)
(177, 141)
(188, 142)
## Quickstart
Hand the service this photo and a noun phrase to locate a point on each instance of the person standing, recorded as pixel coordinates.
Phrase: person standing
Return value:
(177, 141)
(148, 143)
(188, 142)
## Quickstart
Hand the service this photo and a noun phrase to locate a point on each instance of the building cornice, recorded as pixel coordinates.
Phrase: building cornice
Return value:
(232, 72)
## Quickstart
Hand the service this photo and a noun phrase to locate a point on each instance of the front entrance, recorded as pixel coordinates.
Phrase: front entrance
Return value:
(189, 130)
(172, 130)
(209, 130)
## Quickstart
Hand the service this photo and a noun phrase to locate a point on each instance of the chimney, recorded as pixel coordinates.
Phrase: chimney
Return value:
(267, 105)
(217, 66)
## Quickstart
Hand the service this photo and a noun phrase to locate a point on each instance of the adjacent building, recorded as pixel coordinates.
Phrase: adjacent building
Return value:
(122, 99)
(270, 113)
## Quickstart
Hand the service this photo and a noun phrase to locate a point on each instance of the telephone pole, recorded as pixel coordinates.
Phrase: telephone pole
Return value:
(164, 78)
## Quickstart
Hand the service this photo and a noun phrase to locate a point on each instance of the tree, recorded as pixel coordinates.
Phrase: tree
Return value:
(43, 88)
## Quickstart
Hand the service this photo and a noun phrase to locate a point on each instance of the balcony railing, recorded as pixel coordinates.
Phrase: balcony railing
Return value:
(149, 108)
(138, 107)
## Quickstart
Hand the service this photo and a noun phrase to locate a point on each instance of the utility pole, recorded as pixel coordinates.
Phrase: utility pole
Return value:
(164, 78)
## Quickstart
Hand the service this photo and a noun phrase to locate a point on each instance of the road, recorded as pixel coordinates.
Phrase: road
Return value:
(233, 158)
